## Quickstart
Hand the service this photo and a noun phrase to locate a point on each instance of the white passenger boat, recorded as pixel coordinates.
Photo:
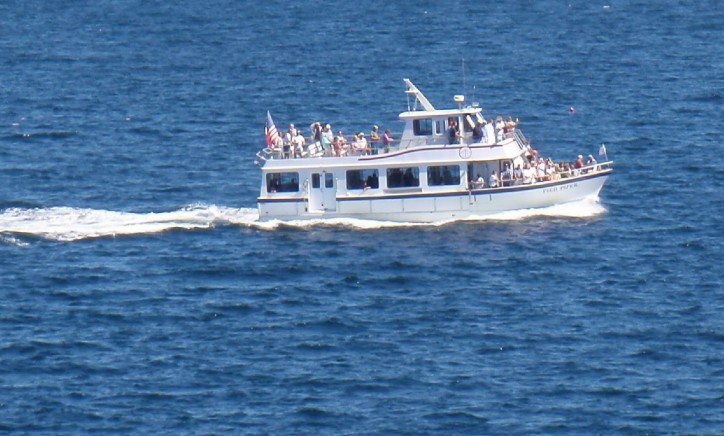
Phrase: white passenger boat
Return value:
(435, 172)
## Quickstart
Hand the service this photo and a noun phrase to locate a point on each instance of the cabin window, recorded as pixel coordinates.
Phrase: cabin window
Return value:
(440, 127)
(363, 179)
(282, 182)
(443, 175)
(403, 177)
(315, 181)
(422, 127)
(328, 180)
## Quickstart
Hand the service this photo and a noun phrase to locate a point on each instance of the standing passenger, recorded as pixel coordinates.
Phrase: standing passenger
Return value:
(493, 180)
(387, 140)
(375, 139)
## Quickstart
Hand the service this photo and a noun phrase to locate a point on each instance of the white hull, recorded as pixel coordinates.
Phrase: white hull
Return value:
(454, 205)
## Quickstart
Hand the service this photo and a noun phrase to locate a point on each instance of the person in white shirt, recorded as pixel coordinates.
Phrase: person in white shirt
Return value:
(298, 143)
(478, 183)
(528, 175)
(493, 180)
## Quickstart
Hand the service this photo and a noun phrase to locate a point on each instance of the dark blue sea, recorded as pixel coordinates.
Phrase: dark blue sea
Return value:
(139, 294)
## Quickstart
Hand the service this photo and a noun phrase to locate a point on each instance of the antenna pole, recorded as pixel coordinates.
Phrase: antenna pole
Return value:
(463, 76)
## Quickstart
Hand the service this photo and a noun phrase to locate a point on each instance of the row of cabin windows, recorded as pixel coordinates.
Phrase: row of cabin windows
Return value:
(399, 177)
(423, 127)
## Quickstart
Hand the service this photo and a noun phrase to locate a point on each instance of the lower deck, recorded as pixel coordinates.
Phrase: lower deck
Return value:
(418, 196)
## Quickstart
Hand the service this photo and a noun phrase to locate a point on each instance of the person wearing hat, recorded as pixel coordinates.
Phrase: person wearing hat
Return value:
(375, 138)
(359, 146)
(578, 165)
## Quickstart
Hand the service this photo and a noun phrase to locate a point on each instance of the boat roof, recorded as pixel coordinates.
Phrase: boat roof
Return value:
(440, 113)
(428, 110)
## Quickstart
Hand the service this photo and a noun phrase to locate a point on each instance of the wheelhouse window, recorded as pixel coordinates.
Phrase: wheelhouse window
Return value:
(440, 127)
(422, 127)
(443, 175)
(282, 182)
(363, 179)
(404, 177)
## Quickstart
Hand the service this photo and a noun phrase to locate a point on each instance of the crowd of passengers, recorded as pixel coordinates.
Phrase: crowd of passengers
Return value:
(293, 144)
(487, 132)
(535, 170)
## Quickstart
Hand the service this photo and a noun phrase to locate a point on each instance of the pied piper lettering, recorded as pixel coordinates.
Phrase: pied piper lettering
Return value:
(560, 188)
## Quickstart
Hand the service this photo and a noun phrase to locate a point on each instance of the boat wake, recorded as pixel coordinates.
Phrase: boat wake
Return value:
(72, 224)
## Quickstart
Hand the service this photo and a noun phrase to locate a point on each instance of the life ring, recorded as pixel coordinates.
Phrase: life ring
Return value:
(465, 152)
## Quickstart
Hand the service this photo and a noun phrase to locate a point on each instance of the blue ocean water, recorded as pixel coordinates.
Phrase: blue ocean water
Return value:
(139, 294)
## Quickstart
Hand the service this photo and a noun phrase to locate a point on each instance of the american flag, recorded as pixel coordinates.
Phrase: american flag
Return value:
(270, 130)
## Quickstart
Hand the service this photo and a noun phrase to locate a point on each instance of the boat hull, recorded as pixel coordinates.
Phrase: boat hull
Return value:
(428, 207)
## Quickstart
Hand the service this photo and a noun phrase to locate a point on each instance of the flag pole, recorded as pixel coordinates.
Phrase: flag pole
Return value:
(603, 152)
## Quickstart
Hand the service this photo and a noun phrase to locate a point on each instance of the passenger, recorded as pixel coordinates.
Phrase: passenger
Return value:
(518, 175)
(490, 132)
(478, 183)
(540, 170)
(551, 170)
(591, 160)
(566, 170)
(342, 143)
(499, 128)
(387, 140)
(326, 140)
(287, 146)
(494, 181)
(528, 175)
(279, 145)
(316, 131)
(479, 131)
(510, 124)
(507, 176)
(375, 139)
(290, 133)
(359, 146)
(578, 165)
(298, 143)
(452, 132)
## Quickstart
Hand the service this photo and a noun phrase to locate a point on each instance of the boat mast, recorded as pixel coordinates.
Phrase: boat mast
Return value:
(419, 97)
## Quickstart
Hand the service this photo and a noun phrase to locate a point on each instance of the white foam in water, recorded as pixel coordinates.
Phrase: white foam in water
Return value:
(71, 224)
(585, 208)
